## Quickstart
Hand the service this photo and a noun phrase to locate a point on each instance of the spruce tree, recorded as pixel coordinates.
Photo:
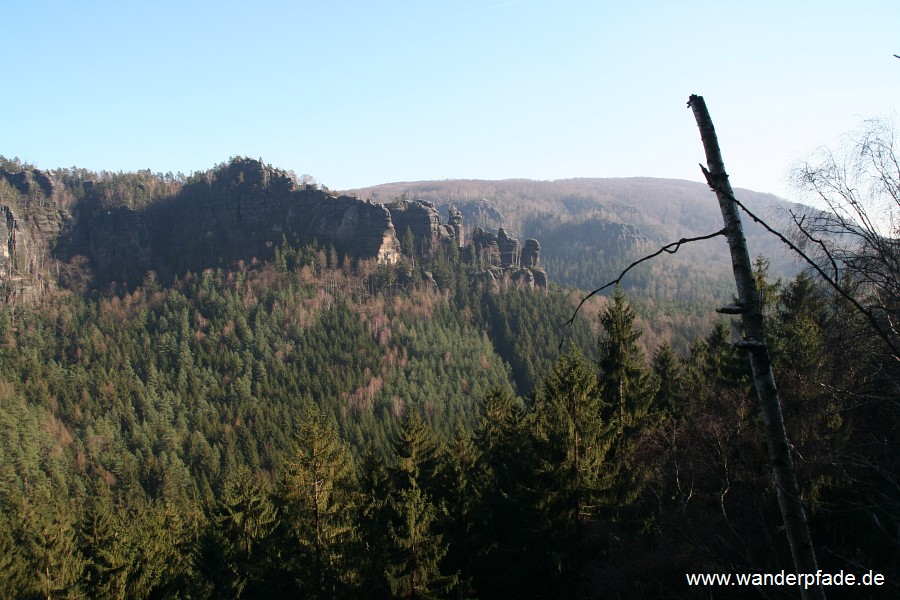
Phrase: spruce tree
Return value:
(628, 392)
(572, 441)
(105, 540)
(416, 548)
(374, 516)
(465, 483)
(671, 395)
(319, 499)
(48, 542)
(418, 455)
(244, 520)
(571, 406)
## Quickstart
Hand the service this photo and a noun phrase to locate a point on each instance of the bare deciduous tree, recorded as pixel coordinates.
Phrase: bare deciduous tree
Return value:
(855, 237)
(748, 306)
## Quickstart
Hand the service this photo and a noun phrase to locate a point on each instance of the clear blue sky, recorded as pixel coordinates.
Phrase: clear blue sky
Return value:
(360, 93)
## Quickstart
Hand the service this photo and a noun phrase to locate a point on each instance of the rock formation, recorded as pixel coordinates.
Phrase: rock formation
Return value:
(531, 254)
(455, 219)
(502, 255)
(119, 227)
(237, 212)
(31, 218)
(423, 220)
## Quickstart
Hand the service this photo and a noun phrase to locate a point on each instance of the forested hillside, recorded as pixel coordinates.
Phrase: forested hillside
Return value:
(590, 229)
(313, 423)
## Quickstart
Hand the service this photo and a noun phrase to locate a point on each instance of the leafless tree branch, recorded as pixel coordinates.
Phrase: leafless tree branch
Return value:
(670, 248)
(895, 351)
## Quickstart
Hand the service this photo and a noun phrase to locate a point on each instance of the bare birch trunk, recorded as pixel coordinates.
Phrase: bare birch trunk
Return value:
(786, 487)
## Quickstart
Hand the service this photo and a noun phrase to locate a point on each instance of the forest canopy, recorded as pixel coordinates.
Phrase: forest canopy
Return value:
(312, 424)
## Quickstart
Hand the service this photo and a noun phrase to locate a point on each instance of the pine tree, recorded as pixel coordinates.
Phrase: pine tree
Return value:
(418, 455)
(465, 484)
(374, 516)
(318, 493)
(408, 244)
(571, 407)
(628, 391)
(105, 542)
(415, 546)
(671, 394)
(244, 520)
(46, 539)
(416, 551)
(515, 535)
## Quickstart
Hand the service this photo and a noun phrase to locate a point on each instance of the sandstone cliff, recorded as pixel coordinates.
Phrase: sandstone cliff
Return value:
(33, 212)
(237, 213)
(86, 229)
(503, 256)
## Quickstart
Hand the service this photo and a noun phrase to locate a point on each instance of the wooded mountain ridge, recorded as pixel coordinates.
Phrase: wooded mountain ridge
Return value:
(82, 227)
(210, 406)
(86, 229)
(591, 228)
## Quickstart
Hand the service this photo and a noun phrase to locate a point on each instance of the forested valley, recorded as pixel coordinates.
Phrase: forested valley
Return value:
(309, 424)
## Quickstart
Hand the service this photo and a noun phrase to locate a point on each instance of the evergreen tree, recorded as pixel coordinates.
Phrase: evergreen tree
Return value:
(105, 541)
(318, 495)
(515, 537)
(671, 395)
(628, 392)
(408, 244)
(418, 455)
(571, 408)
(14, 572)
(572, 442)
(416, 548)
(46, 538)
(374, 516)
(465, 484)
(235, 549)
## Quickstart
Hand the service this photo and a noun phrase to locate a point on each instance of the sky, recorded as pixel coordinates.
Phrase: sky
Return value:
(368, 92)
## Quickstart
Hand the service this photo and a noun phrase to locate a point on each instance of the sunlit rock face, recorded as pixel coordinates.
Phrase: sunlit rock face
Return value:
(32, 214)
(56, 227)
(237, 212)
(421, 218)
(503, 256)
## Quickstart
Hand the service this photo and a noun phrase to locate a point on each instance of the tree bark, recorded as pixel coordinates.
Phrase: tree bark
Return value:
(792, 512)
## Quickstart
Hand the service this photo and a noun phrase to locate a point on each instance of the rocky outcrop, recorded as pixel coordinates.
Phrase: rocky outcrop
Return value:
(422, 219)
(16, 282)
(30, 181)
(510, 252)
(122, 226)
(239, 216)
(503, 256)
(31, 220)
(621, 232)
(362, 226)
(531, 254)
(455, 220)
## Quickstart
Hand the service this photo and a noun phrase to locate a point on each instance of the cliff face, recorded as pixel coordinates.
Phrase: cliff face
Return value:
(119, 229)
(503, 256)
(422, 219)
(238, 214)
(33, 212)
(116, 228)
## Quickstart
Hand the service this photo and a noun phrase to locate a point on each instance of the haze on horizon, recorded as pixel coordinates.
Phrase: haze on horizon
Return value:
(356, 94)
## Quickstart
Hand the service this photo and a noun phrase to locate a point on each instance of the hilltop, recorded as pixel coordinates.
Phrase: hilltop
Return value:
(592, 228)
(83, 229)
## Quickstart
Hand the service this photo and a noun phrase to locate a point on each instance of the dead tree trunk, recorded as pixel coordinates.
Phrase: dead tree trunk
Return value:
(786, 487)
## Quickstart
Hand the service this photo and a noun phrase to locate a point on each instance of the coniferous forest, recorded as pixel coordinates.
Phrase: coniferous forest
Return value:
(312, 424)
